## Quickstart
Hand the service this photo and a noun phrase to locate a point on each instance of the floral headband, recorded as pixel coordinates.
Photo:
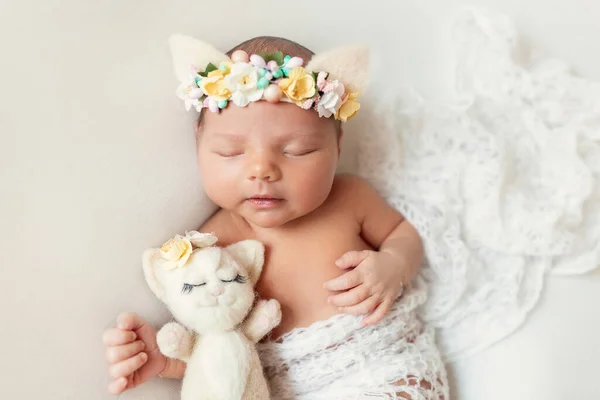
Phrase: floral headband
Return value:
(330, 83)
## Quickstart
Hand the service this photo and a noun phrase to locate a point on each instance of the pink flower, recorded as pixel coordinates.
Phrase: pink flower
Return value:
(308, 104)
(321, 82)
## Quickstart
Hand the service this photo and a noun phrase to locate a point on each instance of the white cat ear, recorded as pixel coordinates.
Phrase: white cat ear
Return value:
(187, 52)
(350, 65)
(251, 254)
(151, 261)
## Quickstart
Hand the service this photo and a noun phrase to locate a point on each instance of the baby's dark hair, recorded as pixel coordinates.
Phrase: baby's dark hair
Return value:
(269, 44)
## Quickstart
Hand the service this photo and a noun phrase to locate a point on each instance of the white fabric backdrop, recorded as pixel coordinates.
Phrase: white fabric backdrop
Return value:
(97, 163)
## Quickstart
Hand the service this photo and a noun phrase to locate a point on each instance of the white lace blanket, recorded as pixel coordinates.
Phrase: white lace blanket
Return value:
(338, 359)
(503, 184)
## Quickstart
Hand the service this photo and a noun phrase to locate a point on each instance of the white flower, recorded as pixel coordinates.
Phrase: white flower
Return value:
(331, 100)
(189, 92)
(242, 82)
(200, 239)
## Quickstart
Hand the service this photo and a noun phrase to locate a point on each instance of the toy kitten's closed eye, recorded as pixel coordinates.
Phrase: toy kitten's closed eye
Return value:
(187, 287)
(238, 278)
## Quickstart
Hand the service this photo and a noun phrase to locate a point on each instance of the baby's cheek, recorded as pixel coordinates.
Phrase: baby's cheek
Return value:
(313, 193)
(218, 191)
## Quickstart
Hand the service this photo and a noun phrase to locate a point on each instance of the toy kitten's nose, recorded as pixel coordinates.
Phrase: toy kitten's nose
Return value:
(215, 290)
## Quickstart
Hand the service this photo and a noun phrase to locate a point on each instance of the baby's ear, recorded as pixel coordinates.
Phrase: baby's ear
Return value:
(151, 262)
(251, 254)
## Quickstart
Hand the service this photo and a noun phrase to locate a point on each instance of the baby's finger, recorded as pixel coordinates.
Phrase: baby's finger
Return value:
(117, 337)
(351, 297)
(129, 366)
(117, 386)
(347, 281)
(362, 308)
(130, 321)
(378, 314)
(115, 354)
(352, 259)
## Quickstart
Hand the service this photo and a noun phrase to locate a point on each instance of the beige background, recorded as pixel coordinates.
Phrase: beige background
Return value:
(97, 163)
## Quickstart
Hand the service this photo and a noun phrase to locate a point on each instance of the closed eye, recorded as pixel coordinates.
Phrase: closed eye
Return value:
(238, 279)
(187, 287)
(299, 153)
(229, 154)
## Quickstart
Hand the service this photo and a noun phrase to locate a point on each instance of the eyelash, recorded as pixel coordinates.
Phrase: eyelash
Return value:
(300, 154)
(238, 278)
(187, 287)
(228, 155)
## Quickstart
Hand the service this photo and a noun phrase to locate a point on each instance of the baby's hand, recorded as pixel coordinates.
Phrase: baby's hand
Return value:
(132, 352)
(371, 287)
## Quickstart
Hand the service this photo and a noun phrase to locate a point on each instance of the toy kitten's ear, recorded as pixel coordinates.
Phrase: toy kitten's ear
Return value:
(151, 262)
(251, 254)
(350, 65)
(187, 52)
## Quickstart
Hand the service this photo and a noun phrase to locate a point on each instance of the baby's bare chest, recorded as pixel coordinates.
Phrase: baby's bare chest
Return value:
(298, 265)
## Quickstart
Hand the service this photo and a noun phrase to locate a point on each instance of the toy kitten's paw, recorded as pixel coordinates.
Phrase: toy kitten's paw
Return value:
(270, 313)
(173, 339)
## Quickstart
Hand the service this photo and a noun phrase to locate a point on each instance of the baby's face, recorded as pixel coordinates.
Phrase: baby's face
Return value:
(269, 163)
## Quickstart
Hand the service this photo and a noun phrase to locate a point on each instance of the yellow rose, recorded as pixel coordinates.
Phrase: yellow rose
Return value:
(298, 86)
(348, 108)
(176, 251)
(214, 85)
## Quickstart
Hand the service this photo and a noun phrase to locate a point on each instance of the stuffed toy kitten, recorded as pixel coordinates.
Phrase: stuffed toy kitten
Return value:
(210, 292)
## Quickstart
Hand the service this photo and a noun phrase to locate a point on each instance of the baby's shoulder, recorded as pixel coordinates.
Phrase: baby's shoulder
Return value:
(355, 195)
(349, 182)
(351, 191)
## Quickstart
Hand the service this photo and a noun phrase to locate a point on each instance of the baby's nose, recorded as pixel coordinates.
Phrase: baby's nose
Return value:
(215, 290)
(261, 167)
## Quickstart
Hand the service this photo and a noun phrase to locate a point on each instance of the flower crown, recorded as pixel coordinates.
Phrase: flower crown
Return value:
(330, 83)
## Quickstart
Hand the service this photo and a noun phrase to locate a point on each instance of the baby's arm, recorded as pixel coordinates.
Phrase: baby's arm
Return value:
(384, 228)
(380, 275)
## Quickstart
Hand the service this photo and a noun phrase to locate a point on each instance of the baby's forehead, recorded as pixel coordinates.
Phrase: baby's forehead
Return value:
(267, 119)
(272, 133)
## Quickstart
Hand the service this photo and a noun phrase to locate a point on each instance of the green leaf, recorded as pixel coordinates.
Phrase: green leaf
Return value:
(209, 68)
(276, 56)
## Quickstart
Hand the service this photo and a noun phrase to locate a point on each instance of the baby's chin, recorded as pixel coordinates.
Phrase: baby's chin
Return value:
(266, 221)
(273, 218)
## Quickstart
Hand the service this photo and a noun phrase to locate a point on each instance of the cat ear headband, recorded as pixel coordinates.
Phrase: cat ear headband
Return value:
(330, 83)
